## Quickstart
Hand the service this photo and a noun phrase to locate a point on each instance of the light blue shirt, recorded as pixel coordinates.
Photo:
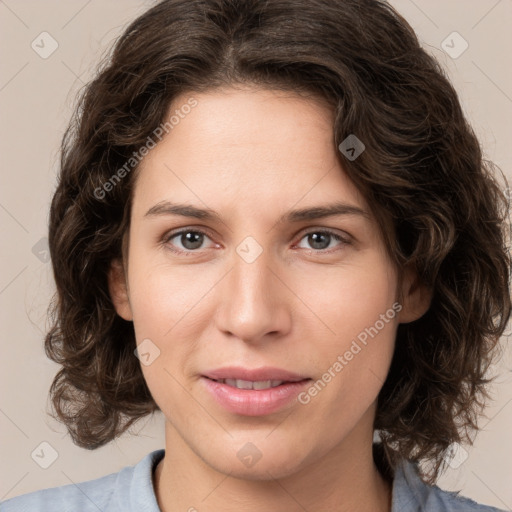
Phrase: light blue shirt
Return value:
(131, 490)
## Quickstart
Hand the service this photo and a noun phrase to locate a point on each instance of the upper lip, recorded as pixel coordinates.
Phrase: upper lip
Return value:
(256, 374)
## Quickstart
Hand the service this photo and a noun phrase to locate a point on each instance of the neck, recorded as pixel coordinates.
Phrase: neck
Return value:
(344, 479)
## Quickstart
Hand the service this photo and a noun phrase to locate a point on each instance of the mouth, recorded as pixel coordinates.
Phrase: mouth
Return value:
(254, 397)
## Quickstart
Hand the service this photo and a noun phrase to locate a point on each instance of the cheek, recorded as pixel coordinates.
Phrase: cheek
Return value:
(168, 305)
(348, 299)
(165, 304)
(352, 335)
(163, 295)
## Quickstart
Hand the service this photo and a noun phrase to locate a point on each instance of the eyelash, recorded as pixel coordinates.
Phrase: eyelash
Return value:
(168, 237)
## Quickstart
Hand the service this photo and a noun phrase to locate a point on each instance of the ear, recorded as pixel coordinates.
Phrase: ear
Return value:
(118, 288)
(416, 297)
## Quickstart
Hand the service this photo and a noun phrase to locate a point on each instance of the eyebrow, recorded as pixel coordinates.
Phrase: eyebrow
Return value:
(300, 215)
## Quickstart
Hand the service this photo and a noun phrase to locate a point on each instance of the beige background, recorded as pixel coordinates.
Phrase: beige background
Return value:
(36, 97)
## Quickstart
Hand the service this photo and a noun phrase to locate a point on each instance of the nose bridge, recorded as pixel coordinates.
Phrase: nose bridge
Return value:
(252, 305)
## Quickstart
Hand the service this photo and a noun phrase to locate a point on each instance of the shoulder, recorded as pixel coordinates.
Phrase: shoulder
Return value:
(129, 489)
(410, 493)
(86, 496)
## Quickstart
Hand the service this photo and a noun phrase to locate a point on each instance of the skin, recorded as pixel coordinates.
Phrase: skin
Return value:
(252, 155)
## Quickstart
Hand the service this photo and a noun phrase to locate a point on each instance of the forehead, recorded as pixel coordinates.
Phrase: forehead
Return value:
(247, 147)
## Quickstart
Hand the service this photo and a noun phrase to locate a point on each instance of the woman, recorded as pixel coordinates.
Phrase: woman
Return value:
(274, 224)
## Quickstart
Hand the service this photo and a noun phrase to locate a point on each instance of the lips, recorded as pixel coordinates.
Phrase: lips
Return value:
(253, 392)
(253, 401)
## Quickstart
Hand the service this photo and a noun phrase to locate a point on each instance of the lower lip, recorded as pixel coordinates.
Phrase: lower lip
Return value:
(252, 402)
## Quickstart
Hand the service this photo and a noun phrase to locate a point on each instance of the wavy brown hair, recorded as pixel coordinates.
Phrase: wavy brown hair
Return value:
(439, 207)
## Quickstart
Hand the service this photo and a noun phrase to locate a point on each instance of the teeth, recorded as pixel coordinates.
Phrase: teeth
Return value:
(249, 384)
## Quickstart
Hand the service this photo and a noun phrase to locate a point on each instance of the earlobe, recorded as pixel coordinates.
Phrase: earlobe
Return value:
(118, 289)
(416, 298)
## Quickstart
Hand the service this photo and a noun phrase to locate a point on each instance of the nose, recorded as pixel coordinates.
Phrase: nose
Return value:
(254, 302)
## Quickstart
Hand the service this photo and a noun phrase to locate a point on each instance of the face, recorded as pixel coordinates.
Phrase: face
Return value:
(260, 277)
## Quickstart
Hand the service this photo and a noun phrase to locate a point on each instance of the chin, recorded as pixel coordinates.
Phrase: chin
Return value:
(252, 463)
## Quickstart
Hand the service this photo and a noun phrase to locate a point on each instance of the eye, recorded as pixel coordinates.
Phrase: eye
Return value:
(187, 240)
(191, 240)
(321, 240)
